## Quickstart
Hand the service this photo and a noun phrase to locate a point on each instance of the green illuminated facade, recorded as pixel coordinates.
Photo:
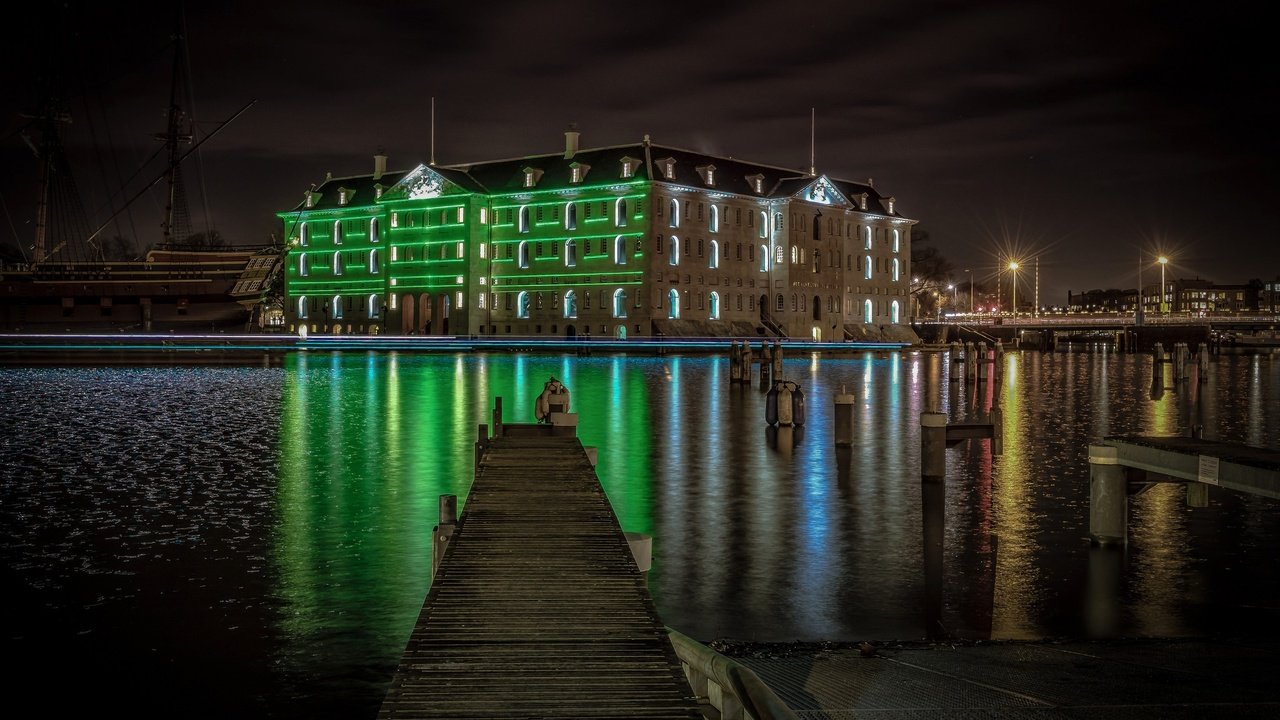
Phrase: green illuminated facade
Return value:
(619, 241)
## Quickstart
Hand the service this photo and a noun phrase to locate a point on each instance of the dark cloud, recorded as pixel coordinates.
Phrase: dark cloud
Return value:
(1086, 132)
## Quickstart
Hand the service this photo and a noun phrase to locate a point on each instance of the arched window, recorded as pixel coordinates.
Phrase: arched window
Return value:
(373, 307)
(337, 307)
(570, 254)
(524, 219)
(373, 262)
(893, 312)
(714, 261)
(302, 307)
(714, 314)
(619, 303)
(817, 260)
(337, 232)
(713, 222)
(303, 240)
(570, 304)
(895, 269)
(897, 239)
(764, 259)
(675, 213)
(619, 250)
(337, 263)
(374, 235)
(782, 303)
(522, 305)
(673, 255)
(795, 303)
(764, 224)
(793, 254)
(866, 237)
(620, 212)
(570, 216)
(523, 252)
(303, 268)
(866, 311)
(778, 258)
(866, 268)
(673, 303)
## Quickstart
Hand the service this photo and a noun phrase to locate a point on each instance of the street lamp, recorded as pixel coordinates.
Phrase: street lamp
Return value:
(1163, 261)
(970, 274)
(1013, 280)
(955, 295)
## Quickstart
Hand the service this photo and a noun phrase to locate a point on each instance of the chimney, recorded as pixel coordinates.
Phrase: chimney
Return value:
(379, 165)
(571, 142)
(871, 182)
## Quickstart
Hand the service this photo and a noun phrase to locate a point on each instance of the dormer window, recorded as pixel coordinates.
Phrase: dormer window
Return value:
(629, 165)
(531, 176)
(343, 196)
(377, 190)
(668, 166)
(890, 202)
(708, 173)
(578, 172)
(757, 183)
(311, 198)
(862, 201)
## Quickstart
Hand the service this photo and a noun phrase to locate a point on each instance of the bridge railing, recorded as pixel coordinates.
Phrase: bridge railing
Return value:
(734, 690)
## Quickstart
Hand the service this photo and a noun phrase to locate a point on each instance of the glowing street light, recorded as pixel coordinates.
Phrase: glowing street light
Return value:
(1163, 261)
(1013, 280)
(955, 296)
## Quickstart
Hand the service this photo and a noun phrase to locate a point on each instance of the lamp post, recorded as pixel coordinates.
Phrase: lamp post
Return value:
(970, 274)
(955, 296)
(1163, 261)
(1013, 280)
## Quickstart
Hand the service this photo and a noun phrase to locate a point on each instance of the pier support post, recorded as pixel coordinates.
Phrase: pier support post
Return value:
(996, 418)
(744, 376)
(845, 409)
(441, 534)
(933, 446)
(765, 364)
(1197, 495)
(735, 363)
(1108, 497)
(777, 360)
(497, 417)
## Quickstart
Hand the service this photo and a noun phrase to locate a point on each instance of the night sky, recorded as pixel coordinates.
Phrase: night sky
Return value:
(1087, 135)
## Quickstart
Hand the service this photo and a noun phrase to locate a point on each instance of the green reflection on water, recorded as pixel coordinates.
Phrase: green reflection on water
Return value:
(368, 444)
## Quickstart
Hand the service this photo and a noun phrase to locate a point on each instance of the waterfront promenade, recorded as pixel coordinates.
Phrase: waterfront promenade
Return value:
(1137, 678)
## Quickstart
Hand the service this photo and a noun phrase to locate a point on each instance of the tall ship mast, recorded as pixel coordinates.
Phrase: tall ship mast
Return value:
(68, 282)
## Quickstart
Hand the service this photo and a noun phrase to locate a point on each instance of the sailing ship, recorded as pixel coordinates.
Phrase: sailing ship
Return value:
(185, 283)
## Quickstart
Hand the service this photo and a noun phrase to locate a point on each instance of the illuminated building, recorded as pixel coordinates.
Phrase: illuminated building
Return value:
(630, 240)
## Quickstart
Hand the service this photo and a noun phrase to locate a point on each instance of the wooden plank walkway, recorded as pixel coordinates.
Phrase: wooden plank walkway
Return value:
(1229, 465)
(538, 609)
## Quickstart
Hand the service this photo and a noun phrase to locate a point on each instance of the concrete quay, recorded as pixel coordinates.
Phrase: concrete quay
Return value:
(1137, 678)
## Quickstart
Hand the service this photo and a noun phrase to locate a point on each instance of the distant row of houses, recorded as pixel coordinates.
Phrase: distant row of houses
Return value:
(1182, 295)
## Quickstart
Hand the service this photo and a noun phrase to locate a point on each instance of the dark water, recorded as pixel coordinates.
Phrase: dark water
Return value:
(253, 542)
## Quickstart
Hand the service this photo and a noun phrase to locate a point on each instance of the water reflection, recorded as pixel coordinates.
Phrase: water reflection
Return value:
(326, 474)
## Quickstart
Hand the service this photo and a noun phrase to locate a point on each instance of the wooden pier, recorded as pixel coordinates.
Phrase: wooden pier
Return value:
(538, 608)
(1127, 465)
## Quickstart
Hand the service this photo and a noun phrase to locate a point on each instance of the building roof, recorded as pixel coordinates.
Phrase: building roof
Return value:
(603, 166)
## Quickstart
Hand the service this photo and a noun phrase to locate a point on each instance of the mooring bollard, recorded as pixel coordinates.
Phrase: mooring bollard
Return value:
(845, 410)
(442, 533)
(735, 363)
(1108, 496)
(1202, 359)
(933, 446)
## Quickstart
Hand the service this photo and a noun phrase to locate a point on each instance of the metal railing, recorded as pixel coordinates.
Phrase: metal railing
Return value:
(734, 690)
